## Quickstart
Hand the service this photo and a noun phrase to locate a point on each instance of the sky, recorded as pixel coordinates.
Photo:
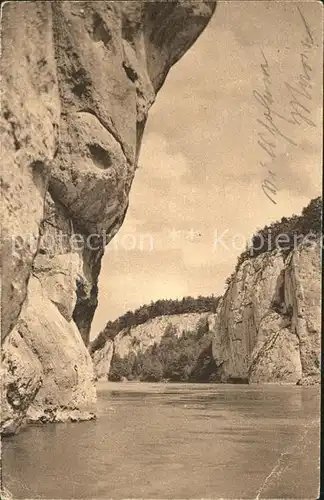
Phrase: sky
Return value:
(208, 149)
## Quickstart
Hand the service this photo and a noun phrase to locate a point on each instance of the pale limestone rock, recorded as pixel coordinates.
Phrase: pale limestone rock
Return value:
(246, 301)
(53, 353)
(21, 379)
(30, 116)
(79, 79)
(140, 338)
(101, 360)
(275, 357)
(58, 276)
(303, 295)
(267, 327)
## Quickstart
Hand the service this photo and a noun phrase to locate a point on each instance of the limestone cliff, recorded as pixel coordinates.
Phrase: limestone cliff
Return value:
(267, 327)
(138, 339)
(79, 79)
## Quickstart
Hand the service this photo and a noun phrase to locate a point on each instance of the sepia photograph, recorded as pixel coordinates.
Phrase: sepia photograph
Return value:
(161, 245)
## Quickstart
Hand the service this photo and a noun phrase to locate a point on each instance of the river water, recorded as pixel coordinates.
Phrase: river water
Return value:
(175, 441)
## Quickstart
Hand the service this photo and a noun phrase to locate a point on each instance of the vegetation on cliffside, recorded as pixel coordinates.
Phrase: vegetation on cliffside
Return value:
(189, 357)
(286, 233)
(174, 359)
(164, 307)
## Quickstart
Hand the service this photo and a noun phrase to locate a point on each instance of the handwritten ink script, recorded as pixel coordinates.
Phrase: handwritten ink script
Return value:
(274, 123)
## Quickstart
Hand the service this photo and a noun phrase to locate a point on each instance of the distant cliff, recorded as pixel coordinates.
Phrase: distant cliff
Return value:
(268, 324)
(78, 81)
(162, 348)
(158, 308)
(265, 329)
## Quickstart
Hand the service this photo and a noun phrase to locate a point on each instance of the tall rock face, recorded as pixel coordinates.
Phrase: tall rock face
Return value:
(138, 339)
(79, 79)
(267, 327)
(30, 118)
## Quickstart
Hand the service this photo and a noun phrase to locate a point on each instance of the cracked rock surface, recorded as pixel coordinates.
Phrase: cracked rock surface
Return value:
(267, 327)
(137, 339)
(79, 79)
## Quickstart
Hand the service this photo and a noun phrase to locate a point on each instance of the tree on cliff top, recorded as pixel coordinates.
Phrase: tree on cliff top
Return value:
(163, 307)
(173, 358)
(294, 228)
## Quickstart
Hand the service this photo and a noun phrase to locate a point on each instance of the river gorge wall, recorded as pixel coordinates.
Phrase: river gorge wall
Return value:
(268, 324)
(139, 339)
(266, 329)
(79, 79)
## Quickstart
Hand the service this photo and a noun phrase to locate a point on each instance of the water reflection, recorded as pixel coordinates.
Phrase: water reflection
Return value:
(176, 441)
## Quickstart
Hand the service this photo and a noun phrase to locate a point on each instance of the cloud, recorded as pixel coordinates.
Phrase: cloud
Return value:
(161, 163)
(209, 93)
(200, 160)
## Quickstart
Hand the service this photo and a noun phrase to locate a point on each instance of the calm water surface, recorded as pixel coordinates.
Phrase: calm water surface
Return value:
(156, 441)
